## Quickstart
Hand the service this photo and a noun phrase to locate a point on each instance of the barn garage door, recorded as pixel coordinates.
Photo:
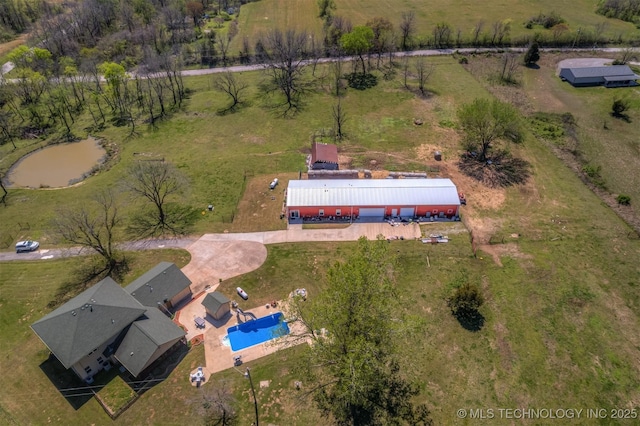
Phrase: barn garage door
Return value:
(407, 212)
(372, 212)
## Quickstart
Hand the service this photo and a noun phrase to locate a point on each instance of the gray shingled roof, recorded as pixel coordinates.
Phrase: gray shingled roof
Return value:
(161, 283)
(612, 71)
(144, 338)
(213, 301)
(371, 192)
(87, 321)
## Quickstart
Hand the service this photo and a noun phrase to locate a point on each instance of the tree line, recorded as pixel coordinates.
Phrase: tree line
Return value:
(46, 94)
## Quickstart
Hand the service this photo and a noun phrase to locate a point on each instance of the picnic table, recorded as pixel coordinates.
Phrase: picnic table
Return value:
(199, 322)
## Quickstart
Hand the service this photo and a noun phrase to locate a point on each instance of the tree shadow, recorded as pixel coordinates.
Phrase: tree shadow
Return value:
(89, 271)
(471, 321)
(621, 116)
(533, 66)
(361, 81)
(499, 170)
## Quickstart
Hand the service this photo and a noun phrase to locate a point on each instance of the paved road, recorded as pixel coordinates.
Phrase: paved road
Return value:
(46, 254)
(8, 66)
(424, 52)
(198, 245)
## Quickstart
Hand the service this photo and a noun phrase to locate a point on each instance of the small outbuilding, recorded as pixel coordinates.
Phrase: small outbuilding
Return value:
(216, 304)
(324, 156)
(611, 76)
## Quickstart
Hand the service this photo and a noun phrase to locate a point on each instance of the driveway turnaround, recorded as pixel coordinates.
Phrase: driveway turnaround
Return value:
(216, 260)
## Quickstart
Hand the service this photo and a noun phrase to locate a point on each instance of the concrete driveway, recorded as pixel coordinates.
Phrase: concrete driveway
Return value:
(216, 257)
(215, 260)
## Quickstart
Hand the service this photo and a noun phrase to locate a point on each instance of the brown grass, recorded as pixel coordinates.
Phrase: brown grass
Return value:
(260, 208)
(10, 45)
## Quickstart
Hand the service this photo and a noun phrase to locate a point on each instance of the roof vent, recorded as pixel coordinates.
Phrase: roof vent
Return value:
(113, 321)
(131, 354)
(74, 313)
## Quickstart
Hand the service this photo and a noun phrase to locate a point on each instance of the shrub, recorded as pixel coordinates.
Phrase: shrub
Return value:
(547, 21)
(619, 107)
(623, 199)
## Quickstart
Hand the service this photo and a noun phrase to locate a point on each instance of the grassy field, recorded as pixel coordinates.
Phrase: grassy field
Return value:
(222, 155)
(561, 286)
(261, 16)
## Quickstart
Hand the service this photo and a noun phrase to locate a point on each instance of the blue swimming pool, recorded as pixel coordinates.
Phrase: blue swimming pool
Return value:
(257, 331)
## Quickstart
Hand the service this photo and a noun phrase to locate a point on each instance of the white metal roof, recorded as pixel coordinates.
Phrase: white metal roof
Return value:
(371, 192)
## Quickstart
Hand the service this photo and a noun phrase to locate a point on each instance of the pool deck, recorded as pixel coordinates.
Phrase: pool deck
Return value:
(219, 357)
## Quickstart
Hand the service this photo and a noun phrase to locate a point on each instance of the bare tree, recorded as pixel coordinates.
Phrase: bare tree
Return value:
(216, 405)
(223, 42)
(337, 74)
(285, 67)
(405, 71)
(233, 87)
(500, 32)
(158, 181)
(442, 35)
(93, 229)
(477, 32)
(508, 67)
(423, 72)
(382, 35)
(627, 54)
(339, 118)
(407, 28)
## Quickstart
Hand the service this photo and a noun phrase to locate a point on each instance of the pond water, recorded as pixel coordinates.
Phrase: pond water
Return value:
(56, 166)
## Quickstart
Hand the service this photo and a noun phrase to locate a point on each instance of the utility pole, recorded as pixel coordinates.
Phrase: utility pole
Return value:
(247, 374)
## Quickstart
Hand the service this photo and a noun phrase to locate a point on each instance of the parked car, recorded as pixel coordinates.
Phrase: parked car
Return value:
(26, 246)
(242, 293)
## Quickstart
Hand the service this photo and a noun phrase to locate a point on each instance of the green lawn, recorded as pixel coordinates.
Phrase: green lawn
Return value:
(561, 311)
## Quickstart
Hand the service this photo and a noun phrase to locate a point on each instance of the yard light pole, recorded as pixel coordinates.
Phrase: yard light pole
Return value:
(247, 374)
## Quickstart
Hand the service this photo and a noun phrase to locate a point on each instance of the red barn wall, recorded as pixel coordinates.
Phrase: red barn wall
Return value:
(434, 210)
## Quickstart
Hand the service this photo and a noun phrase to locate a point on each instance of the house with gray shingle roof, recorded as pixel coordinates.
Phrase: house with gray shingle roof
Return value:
(165, 284)
(106, 324)
(611, 76)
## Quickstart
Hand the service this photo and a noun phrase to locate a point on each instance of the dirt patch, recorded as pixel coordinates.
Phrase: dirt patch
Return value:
(345, 162)
(477, 194)
(10, 45)
(253, 139)
(496, 251)
(502, 345)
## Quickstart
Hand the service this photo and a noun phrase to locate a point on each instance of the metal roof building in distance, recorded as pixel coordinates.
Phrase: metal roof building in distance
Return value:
(610, 76)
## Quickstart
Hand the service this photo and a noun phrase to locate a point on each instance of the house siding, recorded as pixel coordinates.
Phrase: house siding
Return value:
(321, 165)
(223, 310)
(183, 295)
(91, 361)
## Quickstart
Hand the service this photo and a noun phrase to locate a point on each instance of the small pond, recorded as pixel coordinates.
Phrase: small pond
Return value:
(56, 166)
